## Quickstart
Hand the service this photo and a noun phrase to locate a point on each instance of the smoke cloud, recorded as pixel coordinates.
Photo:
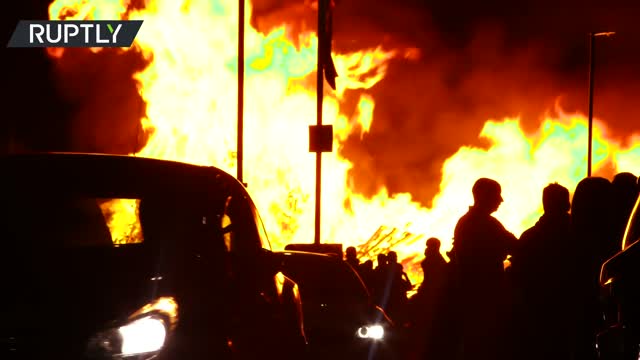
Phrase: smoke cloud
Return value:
(106, 99)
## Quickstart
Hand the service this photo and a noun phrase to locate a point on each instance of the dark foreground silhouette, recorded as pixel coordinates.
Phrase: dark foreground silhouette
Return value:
(192, 274)
(191, 266)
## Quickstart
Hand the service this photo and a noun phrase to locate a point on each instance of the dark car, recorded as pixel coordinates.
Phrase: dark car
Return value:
(340, 317)
(620, 282)
(107, 257)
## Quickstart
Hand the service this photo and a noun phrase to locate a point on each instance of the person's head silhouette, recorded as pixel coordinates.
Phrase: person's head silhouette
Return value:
(368, 265)
(487, 195)
(625, 191)
(625, 180)
(382, 259)
(555, 199)
(351, 253)
(433, 246)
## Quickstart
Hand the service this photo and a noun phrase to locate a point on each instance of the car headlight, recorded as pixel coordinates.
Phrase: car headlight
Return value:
(144, 332)
(143, 336)
(374, 332)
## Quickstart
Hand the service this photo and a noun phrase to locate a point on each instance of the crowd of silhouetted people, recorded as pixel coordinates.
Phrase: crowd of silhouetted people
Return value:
(500, 297)
(388, 283)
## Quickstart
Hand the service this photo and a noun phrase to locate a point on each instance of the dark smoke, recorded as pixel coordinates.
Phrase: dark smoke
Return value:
(105, 96)
(33, 115)
(83, 102)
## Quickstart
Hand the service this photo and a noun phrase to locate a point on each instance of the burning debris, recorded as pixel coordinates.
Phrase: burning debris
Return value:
(384, 240)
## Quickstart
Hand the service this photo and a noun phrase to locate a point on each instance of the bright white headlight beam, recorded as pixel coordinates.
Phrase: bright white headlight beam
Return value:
(375, 332)
(142, 336)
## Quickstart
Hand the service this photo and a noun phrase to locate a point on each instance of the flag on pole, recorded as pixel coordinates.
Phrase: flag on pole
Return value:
(324, 42)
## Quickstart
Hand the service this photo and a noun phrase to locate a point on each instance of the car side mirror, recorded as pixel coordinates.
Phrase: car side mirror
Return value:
(270, 263)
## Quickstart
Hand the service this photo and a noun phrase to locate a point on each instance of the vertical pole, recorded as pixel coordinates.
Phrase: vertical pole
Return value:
(319, 97)
(240, 144)
(592, 43)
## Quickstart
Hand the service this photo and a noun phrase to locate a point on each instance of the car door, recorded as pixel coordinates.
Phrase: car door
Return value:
(266, 311)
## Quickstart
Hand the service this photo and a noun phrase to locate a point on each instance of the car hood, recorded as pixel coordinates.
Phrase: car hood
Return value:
(340, 315)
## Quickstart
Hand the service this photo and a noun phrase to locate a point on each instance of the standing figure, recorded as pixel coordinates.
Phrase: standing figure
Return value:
(481, 244)
(542, 271)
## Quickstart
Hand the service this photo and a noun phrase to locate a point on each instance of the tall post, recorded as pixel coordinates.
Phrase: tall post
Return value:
(240, 145)
(322, 8)
(592, 66)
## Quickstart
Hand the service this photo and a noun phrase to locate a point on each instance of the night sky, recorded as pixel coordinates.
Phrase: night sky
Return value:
(479, 60)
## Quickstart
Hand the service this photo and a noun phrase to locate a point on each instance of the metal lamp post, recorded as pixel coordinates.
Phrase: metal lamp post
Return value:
(592, 65)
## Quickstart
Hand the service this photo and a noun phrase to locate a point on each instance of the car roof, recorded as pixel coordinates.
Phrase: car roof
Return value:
(310, 255)
(145, 174)
(319, 260)
(328, 265)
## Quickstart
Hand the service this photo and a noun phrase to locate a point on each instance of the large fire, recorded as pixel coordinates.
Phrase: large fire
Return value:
(190, 88)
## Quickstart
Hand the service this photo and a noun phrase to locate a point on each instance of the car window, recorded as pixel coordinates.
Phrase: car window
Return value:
(183, 220)
(241, 233)
(122, 218)
(632, 234)
(262, 233)
(72, 221)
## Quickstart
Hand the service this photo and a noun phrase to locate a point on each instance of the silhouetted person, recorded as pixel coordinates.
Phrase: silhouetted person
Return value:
(379, 279)
(396, 284)
(433, 270)
(625, 193)
(433, 265)
(351, 257)
(592, 229)
(593, 219)
(366, 274)
(542, 270)
(392, 261)
(381, 262)
(481, 244)
(426, 302)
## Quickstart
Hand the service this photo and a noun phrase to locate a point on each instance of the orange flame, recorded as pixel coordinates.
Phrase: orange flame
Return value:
(121, 216)
(190, 89)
